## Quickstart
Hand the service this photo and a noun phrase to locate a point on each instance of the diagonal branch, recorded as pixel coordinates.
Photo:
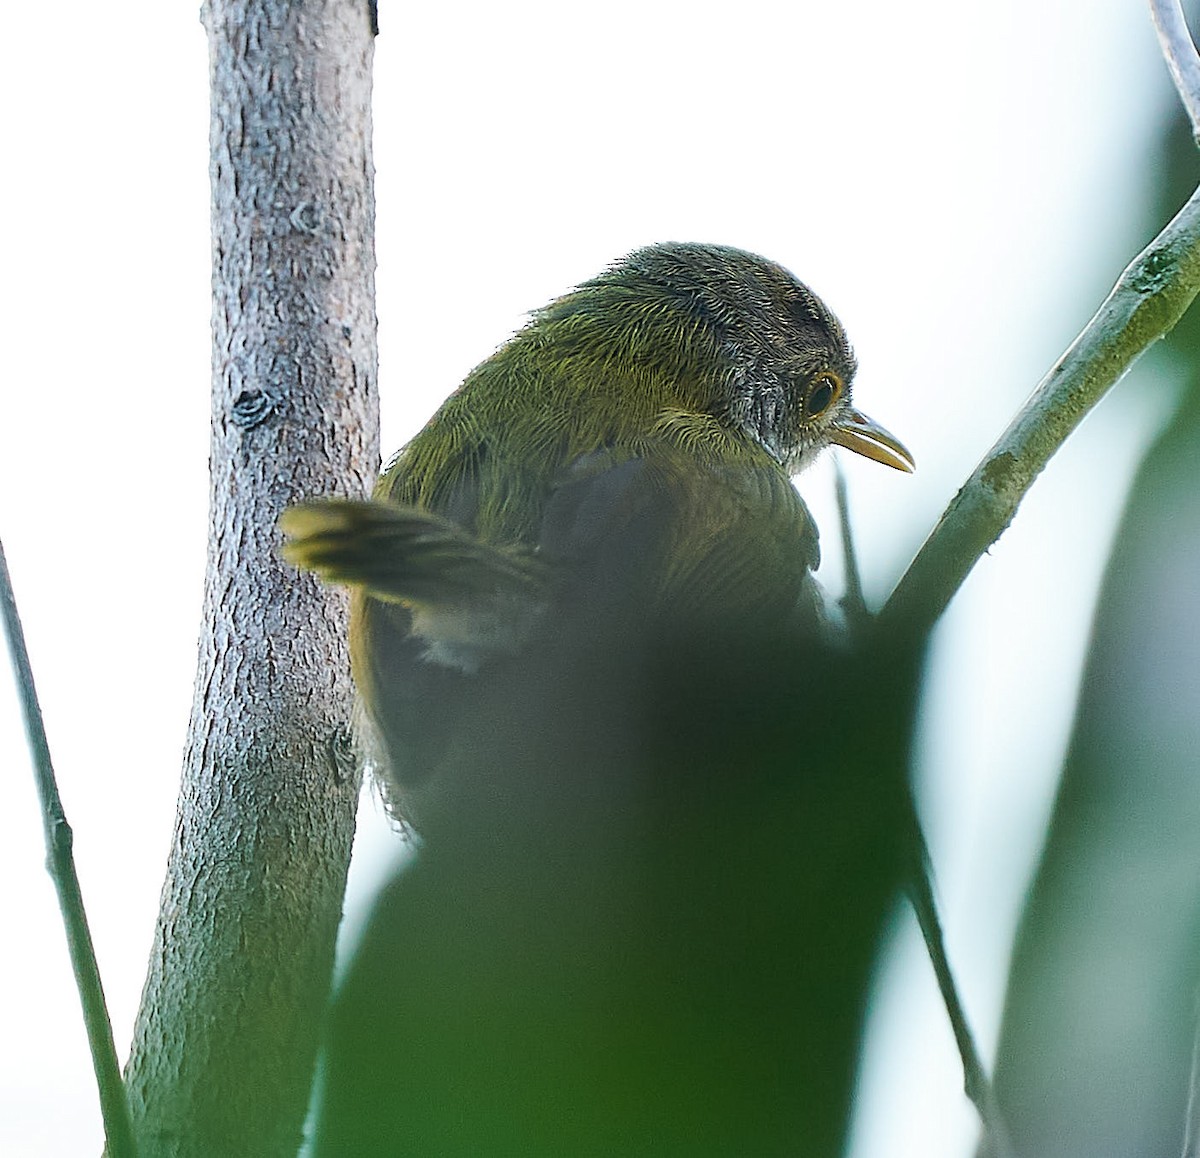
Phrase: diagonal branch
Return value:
(1150, 296)
(60, 863)
(976, 1083)
(1181, 56)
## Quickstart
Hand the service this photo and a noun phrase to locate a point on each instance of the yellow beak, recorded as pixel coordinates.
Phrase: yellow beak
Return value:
(863, 435)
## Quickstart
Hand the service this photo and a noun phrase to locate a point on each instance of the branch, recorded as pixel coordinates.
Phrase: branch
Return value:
(976, 1084)
(228, 1031)
(853, 603)
(1150, 296)
(1180, 52)
(60, 863)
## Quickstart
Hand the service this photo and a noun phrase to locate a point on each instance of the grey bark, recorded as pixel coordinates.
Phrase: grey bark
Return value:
(227, 1033)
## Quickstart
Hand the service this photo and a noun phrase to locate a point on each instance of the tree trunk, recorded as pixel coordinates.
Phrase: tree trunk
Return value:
(226, 1037)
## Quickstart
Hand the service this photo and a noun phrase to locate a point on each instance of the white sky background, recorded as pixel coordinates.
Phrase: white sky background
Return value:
(961, 183)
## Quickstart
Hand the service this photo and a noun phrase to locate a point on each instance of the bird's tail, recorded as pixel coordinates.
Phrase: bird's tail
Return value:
(402, 554)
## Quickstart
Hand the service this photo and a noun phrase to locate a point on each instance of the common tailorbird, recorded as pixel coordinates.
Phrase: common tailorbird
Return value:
(629, 451)
(662, 803)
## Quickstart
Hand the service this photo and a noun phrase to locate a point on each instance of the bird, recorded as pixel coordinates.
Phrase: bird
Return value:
(625, 460)
(658, 799)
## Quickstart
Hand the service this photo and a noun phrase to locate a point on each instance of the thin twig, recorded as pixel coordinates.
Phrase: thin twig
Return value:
(976, 1084)
(1179, 50)
(1150, 296)
(853, 603)
(61, 865)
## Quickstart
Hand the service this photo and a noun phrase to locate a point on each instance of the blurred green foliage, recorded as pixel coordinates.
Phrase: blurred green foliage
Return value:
(649, 923)
(1101, 1008)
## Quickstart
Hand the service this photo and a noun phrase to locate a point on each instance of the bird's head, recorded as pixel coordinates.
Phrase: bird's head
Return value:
(786, 365)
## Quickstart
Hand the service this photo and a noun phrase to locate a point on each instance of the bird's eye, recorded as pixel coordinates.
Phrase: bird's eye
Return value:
(823, 392)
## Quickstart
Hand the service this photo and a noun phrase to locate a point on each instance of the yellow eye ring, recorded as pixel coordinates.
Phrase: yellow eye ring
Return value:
(823, 391)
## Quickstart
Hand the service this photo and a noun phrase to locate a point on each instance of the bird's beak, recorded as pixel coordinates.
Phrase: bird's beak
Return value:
(863, 435)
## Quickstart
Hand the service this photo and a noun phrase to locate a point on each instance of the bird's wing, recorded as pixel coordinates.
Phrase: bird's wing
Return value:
(690, 540)
(658, 543)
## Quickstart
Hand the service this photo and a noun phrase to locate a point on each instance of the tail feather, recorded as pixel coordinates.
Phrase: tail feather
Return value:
(401, 554)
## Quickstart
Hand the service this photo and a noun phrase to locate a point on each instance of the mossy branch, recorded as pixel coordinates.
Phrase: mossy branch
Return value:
(1150, 296)
(60, 863)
